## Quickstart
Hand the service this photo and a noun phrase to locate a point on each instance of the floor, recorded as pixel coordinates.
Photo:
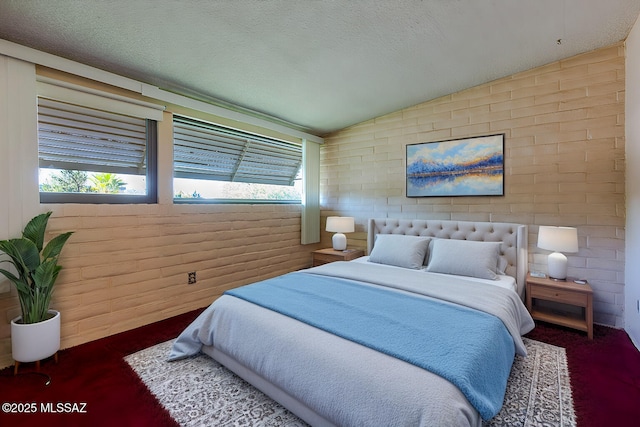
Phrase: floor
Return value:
(92, 385)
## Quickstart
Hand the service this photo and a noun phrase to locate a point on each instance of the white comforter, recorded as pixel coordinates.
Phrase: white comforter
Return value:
(341, 382)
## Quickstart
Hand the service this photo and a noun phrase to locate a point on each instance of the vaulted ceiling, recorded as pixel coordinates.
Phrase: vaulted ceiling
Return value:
(319, 65)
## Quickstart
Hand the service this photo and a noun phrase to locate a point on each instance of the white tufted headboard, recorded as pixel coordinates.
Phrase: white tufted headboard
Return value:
(512, 236)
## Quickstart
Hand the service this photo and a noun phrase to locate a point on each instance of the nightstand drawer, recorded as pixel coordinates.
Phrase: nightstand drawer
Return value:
(560, 295)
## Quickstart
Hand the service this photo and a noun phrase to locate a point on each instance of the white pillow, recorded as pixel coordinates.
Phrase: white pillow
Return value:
(464, 258)
(502, 265)
(400, 250)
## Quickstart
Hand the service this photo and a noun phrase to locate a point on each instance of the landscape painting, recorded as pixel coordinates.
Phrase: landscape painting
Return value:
(461, 167)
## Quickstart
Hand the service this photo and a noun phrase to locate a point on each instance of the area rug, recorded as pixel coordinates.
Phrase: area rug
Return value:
(198, 391)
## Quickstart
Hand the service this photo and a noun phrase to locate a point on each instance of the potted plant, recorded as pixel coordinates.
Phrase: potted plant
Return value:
(36, 334)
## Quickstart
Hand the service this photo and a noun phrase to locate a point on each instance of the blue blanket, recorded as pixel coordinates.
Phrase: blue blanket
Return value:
(471, 349)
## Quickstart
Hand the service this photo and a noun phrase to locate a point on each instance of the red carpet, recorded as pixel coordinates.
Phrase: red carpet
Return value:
(93, 373)
(605, 377)
(605, 374)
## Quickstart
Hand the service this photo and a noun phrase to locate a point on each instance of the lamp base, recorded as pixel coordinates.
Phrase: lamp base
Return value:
(339, 241)
(557, 266)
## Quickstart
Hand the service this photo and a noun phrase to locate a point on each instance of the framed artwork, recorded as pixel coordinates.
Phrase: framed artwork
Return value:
(458, 167)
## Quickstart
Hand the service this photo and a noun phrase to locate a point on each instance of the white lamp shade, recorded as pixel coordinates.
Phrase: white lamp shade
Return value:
(339, 225)
(558, 239)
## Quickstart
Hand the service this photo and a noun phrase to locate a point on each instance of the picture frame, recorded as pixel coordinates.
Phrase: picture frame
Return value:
(456, 167)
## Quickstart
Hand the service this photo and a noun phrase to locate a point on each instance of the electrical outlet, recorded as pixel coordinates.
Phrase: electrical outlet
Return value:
(192, 277)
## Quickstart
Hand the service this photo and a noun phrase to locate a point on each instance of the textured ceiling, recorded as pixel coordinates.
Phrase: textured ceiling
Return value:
(321, 65)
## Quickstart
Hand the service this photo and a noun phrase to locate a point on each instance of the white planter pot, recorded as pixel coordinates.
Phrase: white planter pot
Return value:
(35, 341)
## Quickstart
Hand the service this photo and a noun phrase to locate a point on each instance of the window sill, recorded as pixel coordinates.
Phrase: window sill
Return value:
(186, 201)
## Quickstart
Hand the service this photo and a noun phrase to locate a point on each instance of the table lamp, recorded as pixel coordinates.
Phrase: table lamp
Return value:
(558, 239)
(340, 225)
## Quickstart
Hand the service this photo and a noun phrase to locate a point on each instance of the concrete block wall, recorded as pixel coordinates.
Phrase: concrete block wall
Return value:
(127, 265)
(564, 163)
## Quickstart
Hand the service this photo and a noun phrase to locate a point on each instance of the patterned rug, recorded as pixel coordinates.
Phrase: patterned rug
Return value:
(199, 391)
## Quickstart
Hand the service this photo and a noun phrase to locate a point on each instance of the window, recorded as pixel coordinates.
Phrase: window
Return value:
(89, 155)
(212, 162)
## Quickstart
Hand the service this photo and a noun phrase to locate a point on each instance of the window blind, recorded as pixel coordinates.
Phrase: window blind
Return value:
(96, 99)
(203, 150)
(79, 138)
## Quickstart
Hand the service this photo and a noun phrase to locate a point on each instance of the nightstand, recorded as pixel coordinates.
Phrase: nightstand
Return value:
(565, 292)
(325, 256)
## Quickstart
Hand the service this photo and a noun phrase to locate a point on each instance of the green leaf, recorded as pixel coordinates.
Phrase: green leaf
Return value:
(9, 275)
(13, 279)
(53, 248)
(24, 254)
(44, 278)
(34, 230)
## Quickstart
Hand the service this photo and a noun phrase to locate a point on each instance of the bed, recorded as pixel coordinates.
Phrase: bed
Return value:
(422, 331)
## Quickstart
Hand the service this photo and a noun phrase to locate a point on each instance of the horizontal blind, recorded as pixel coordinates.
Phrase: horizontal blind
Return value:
(98, 100)
(205, 151)
(73, 137)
